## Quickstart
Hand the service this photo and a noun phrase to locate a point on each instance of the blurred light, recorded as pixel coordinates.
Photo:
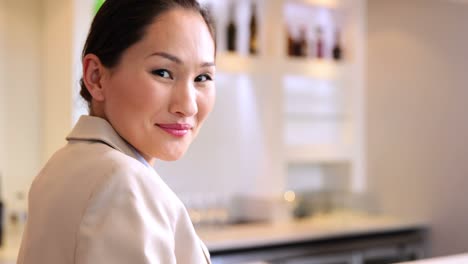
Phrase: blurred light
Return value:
(324, 3)
(289, 196)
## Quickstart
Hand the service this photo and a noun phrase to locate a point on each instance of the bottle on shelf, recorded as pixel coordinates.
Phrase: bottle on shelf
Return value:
(319, 46)
(337, 50)
(231, 32)
(253, 38)
(291, 43)
(298, 47)
(302, 42)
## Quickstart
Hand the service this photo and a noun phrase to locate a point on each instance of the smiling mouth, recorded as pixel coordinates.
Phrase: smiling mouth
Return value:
(176, 130)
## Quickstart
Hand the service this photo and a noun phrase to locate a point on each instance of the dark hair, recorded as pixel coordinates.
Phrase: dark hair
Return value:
(121, 23)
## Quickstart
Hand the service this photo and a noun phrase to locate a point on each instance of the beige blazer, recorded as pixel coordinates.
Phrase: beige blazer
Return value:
(94, 203)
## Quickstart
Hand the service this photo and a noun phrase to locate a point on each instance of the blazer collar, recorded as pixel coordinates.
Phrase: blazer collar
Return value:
(92, 128)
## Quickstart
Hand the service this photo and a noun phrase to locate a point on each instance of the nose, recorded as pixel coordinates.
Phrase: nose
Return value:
(184, 99)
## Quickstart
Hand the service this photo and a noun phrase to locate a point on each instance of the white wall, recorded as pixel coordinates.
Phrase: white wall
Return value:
(3, 33)
(65, 27)
(82, 18)
(21, 94)
(40, 46)
(57, 81)
(2, 84)
(417, 114)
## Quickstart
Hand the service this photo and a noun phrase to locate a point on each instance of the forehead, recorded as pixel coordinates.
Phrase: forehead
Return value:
(178, 31)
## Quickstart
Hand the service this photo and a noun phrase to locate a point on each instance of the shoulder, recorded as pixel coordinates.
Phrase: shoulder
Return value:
(129, 214)
(95, 171)
(88, 163)
(124, 177)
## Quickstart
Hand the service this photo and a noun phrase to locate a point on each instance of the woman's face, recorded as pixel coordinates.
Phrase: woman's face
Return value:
(162, 90)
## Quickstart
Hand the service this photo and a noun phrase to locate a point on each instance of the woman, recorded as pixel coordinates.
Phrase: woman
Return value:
(148, 71)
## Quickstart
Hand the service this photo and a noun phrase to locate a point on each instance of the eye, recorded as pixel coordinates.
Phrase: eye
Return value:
(162, 73)
(203, 78)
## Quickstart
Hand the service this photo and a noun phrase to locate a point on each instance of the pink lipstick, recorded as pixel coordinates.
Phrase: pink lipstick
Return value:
(177, 130)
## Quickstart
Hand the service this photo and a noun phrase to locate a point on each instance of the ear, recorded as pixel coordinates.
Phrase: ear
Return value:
(93, 72)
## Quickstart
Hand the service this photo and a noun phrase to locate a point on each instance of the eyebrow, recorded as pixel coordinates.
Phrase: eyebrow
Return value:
(177, 60)
(208, 64)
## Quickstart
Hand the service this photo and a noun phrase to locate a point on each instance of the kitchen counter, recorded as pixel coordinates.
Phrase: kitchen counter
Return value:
(314, 228)
(341, 237)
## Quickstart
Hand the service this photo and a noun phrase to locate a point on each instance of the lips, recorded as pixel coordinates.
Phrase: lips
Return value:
(177, 130)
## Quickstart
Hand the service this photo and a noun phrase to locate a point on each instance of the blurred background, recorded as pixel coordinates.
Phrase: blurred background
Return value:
(322, 106)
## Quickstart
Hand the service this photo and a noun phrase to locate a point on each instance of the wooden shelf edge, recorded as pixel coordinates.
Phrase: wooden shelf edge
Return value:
(317, 69)
(318, 154)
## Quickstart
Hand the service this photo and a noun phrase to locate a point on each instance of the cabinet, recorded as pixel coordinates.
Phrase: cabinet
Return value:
(302, 117)
(377, 248)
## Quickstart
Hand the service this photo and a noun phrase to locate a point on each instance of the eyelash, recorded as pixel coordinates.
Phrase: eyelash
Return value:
(161, 72)
(207, 76)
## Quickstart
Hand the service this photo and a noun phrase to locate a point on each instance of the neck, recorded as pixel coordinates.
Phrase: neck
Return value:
(151, 161)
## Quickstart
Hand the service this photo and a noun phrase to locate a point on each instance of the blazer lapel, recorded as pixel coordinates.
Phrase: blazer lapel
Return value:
(92, 128)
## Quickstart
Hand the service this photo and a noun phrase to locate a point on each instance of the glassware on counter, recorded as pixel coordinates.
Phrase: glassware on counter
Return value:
(207, 209)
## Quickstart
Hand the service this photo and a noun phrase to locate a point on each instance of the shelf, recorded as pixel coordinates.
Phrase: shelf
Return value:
(336, 117)
(317, 69)
(317, 154)
(238, 64)
(312, 105)
(332, 4)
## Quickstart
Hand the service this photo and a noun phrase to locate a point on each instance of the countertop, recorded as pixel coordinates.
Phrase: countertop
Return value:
(315, 228)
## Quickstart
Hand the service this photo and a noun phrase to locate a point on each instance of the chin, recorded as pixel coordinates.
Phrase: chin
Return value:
(172, 155)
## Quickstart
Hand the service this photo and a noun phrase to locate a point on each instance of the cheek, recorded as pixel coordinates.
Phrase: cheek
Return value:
(205, 104)
(137, 94)
(118, 89)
